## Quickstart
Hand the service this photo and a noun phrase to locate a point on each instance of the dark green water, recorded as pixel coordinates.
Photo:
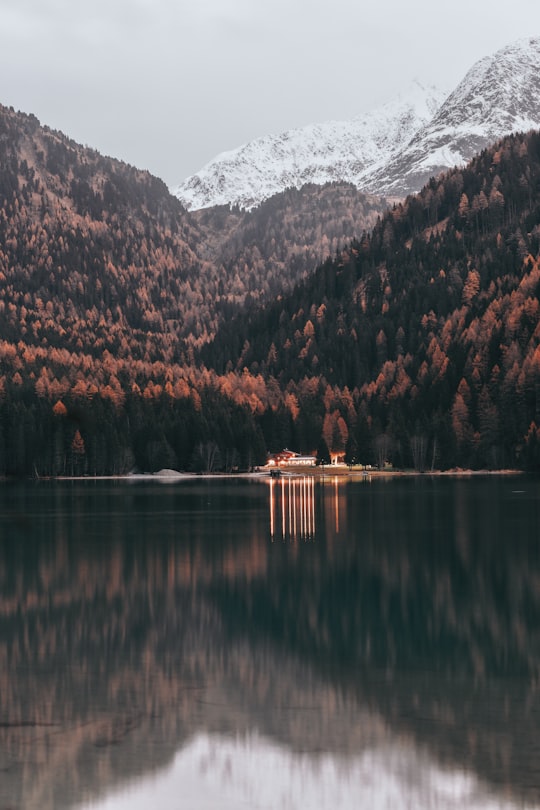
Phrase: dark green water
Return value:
(247, 644)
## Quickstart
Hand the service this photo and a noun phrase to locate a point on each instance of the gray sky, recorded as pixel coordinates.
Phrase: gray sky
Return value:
(168, 84)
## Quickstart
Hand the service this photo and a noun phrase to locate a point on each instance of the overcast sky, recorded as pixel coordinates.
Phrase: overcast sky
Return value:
(168, 84)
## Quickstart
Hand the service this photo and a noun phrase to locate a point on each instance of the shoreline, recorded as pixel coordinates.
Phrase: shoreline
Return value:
(326, 472)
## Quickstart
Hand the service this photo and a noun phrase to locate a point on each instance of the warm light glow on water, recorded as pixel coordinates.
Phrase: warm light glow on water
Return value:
(292, 508)
(336, 504)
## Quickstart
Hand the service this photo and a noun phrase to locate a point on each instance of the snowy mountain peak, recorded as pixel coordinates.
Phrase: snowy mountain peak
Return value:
(498, 95)
(318, 153)
(499, 91)
(391, 151)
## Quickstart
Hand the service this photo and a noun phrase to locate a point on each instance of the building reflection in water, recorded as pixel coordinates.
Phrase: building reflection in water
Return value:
(292, 508)
(301, 506)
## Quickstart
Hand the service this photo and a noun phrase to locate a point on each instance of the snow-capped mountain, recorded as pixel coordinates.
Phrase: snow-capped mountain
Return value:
(499, 95)
(318, 153)
(391, 151)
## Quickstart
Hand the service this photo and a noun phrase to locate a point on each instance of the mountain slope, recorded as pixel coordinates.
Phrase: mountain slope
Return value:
(320, 153)
(499, 95)
(432, 321)
(93, 253)
(122, 264)
(263, 253)
(391, 152)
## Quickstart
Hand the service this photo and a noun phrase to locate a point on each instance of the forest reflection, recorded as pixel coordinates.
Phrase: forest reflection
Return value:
(134, 619)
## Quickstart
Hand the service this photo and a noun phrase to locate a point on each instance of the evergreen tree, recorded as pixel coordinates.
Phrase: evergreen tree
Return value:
(323, 454)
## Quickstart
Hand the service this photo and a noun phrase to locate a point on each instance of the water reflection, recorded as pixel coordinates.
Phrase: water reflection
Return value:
(157, 632)
(304, 507)
(292, 508)
(227, 773)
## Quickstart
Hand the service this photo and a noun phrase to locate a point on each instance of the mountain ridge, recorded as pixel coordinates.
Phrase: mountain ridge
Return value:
(318, 153)
(498, 95)
(390, 152)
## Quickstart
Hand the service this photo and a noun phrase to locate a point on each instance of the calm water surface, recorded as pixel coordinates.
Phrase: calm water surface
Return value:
(256, 644)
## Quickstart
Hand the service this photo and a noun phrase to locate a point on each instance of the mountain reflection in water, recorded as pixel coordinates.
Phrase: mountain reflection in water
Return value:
(161, 641)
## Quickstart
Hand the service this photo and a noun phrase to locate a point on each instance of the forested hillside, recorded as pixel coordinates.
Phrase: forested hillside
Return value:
(106, 286)
(430, 324)
(264, 252)
(96, 253)
(416, 344)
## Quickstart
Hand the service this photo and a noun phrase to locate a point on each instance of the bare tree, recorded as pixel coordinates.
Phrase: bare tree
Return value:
(419, 448)
(383, 447)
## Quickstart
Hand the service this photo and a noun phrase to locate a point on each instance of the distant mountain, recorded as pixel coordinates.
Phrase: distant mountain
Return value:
(319, 153)
(390, 152)
(499, 95)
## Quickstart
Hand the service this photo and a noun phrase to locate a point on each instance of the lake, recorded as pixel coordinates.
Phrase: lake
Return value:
(295, 643)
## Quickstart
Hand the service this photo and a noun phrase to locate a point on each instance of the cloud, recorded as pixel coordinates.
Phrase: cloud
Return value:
(167, 84)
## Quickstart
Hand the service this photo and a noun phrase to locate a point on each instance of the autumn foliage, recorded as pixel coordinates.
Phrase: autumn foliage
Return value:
(134, 335)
